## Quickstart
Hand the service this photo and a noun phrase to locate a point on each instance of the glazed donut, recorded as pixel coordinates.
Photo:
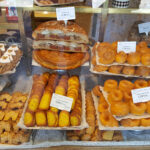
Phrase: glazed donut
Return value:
(102, 107)
(125, 85)
(140, 84)
(115, 69)
(107, 119)
(115, 95)
(127, 96)
(145, 122)
(128, 70)
(96, 91)
(142, 71)
(145, 59)
(110, 84)
(148, 107)
(137, 109)
(121, 57)
(106, 56)
(100, 68)
(130, 122)
(134, 58)
(93, 61)
(120, 108)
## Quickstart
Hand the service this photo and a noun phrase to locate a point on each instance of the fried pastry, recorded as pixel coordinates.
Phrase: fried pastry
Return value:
(96, 91)
(40, 118)
(64, 120)
(121, 57)
(60, 60)
(145, 59)
(128, 70)
(130, 122)
(15, 106)
(115, 69)
(86, 137)
(142, 71)
(107, 135)
(140, 84)
(5, 126)
(3, 105)
(133, 58)
(110, 84)
(29, 119)
(2, 114)
(125, 85)
(145, 122)
(100, 68)
(58, 31)
(52, 118)
(11, 115)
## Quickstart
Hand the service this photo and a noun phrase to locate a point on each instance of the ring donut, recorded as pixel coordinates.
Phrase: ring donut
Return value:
(110, 84)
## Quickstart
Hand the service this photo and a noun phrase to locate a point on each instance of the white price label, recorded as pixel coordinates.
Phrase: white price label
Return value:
(61, 102)
(127, 47)
(141, 95)
(144, 28)
(97, 3)
(65, 13)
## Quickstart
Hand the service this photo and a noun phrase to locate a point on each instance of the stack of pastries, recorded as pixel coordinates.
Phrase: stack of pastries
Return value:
(118, 102)
(11, 107)
(60, 46)
(40, 113)
(9, 57)
(92, 133)
(111, 62)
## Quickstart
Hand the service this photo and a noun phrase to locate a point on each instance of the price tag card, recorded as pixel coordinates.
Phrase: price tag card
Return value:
(144, 28)
(61, 102)
(97, 3)
(16, 3)
(65, 13)
(141, 95)
(127, 47)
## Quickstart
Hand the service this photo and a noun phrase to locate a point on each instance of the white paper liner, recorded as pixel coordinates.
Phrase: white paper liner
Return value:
(131, 116)
(101, 127)
(115, 63)
(39, 4)
(34, 63)
(83, 124)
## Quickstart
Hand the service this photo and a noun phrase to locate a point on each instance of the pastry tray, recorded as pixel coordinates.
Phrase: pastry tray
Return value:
(39, 4)
(101, 127)
(83, 124)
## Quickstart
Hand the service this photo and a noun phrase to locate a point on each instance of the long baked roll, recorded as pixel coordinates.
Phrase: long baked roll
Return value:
(57, 30)
(59, 46)
(60, 60)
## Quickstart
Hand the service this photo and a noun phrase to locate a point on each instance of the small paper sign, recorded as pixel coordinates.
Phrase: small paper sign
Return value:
(61, 102)
(127, 47)
(141, 95)
(97, 3)
(144, 28)
(65, 13)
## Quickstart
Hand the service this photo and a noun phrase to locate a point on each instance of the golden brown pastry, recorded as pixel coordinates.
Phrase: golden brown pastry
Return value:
(40, 118)
(127, 96)
(60, 60)
(52, 118)
(121, 57)
(70, 32)
(115, 69)
(145, 59)
(130, 122)
(5, 97)
(96, 91)
(128, 70)
(64, 119)
(145, 122)
(133, 58)
(29, 119)
(100, 68)
(110, 84)
(142, 71)
(140, 83)
(107, 135)
(126, 85)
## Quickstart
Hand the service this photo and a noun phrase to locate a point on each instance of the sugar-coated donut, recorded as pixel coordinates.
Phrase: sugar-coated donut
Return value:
(128, 70)
(121, 57)
(140, 83)
(127, 96)
(110, 84)
(108, 120)
(130, 122)
(145, 122)
(115, 95)
(125, 85)
(120, 108)
(145, 59)
(138, 109)
(115, 69)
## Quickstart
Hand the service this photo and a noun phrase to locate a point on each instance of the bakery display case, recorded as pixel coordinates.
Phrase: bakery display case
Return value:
(66, 84)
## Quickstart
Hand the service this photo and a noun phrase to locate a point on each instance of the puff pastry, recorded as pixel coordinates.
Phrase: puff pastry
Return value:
(60, 60)
(57, 30)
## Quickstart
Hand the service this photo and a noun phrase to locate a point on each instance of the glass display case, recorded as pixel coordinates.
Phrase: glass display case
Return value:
(68, 85)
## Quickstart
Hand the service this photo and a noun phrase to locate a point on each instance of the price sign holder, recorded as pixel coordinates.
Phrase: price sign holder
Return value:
(127, 47)
(61, 102)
